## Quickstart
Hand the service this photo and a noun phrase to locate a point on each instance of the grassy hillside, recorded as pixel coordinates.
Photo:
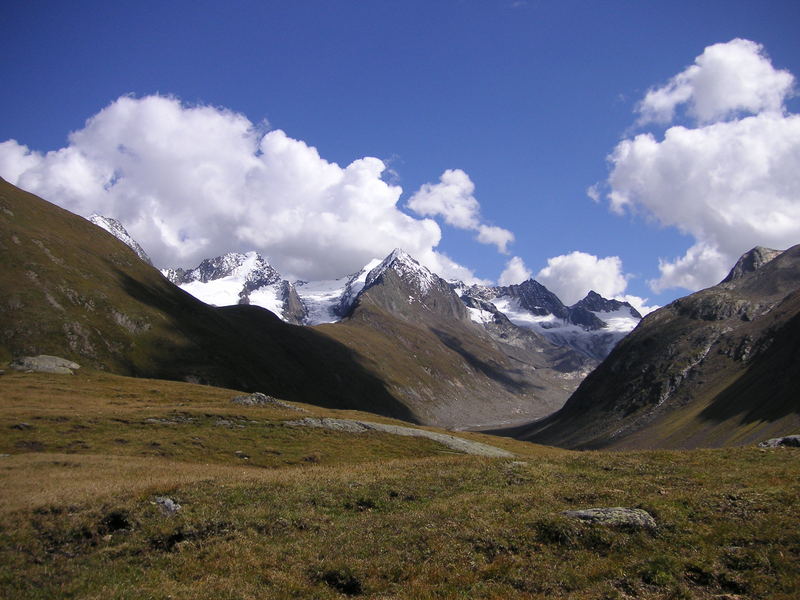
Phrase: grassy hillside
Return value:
(271, 511)
(70, 289)
(719, 367)
(451, 373)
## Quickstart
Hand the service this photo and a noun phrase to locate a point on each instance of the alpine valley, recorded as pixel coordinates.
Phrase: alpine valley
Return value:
(468, 356)
(223, 432)
(396, 339)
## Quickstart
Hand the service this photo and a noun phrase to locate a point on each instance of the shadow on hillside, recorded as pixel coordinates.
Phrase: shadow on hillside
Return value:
(496, 373)
(249, 348)
(768, 391)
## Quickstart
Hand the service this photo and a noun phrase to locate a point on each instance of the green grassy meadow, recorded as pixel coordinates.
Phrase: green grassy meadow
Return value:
(271, 511)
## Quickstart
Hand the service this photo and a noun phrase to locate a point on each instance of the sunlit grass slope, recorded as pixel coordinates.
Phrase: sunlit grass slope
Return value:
(272, 511)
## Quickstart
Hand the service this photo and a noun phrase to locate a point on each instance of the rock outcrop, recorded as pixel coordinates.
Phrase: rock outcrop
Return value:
(616, 516)
(44, 364)
(787, 440)
(259, 399)
(454, 443)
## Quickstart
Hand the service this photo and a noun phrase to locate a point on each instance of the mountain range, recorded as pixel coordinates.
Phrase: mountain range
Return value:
(718, 367)
(591, 327)
(405, 345)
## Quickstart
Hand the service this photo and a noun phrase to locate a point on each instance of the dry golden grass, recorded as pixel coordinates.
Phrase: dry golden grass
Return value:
(338, 515)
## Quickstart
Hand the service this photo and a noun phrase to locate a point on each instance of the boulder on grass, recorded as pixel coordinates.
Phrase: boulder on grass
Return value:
(787, 440)
(259, 399)
(614, 516)
(44, 364)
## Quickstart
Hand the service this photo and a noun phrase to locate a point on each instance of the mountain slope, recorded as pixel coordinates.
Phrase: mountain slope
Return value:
(418, 337)
(718, 367)
(116, 229)
(71, 289)
(408, 348)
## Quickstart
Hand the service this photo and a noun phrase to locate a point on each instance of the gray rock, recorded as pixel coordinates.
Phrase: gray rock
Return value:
(44, 364)
(259, 399)
(614, 516)
(450, 441)
(789, 440)
(168, 505)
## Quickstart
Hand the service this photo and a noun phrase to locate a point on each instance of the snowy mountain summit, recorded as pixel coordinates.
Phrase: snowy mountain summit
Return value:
(592, 326)
(406, 288)
(406, 268)
(116, 229)
(236, 278)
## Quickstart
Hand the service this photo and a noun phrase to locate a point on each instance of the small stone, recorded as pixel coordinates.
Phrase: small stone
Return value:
(259, 399)
(168, 505)
(614, 516)
(788, 440)
(22, 426)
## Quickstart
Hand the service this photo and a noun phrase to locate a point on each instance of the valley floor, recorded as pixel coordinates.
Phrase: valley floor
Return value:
(274, 511)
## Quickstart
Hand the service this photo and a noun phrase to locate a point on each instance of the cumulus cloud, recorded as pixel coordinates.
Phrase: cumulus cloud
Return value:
(639, 303)
(730, 183)
(190, 182)
(515, 272)
(700, 265)
(571, 276)
(453, 199)
(724, 80)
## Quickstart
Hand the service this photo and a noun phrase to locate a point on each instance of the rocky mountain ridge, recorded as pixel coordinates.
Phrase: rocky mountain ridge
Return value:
(717, 367)
(592, 326)
(406, 348)
(115, 228)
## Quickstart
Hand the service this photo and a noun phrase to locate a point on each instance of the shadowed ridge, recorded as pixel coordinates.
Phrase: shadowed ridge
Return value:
(71, 289)
(718, 367)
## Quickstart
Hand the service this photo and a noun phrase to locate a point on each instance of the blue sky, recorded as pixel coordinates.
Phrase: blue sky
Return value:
(526, 98)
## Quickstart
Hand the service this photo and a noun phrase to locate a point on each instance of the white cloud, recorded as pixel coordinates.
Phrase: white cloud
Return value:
(190, 182)
(489, 234)
(515, 272)
(700, 265)
(724, 80)
(731, 184)
(639, 303)
(571, 276)
(453, 199)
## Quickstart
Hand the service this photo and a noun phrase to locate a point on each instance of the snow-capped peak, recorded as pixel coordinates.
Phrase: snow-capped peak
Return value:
(406, 267)
(236, 278)
(116, 229)
(248, 267)
(594, 302)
